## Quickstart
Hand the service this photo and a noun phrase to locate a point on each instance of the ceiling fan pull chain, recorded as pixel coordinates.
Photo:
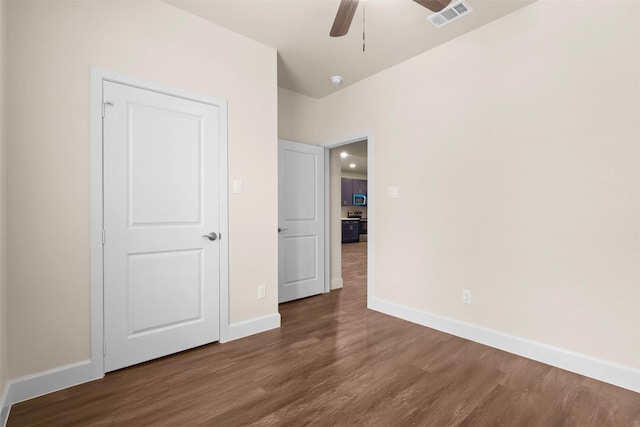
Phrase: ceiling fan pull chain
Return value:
(363, 26)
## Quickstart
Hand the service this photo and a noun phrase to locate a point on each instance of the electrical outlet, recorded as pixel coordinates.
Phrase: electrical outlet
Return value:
(466, 296)
(262, 292)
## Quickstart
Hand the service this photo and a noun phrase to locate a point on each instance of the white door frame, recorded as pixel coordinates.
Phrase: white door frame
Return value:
(370, 208)
(98, 75)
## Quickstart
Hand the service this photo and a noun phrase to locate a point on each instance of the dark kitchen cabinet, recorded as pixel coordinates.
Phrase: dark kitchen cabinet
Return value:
(347, 191)
(350, 231)
(359, 186)
(351, 186)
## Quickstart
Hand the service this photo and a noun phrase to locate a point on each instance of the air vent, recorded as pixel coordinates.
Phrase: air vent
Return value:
(450, 13)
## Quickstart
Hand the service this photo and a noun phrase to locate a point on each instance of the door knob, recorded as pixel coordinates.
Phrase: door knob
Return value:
(211, 236)
(280, 230)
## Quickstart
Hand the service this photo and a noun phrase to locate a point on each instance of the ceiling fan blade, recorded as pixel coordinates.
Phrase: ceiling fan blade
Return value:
(341, 24)
(433, 5)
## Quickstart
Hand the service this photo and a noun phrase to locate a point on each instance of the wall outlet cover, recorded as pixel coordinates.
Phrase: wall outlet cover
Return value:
(466, 296)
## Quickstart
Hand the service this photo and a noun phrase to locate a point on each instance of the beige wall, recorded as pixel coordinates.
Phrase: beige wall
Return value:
(298, 117)
(515, 149)
(3, 280)
(51, 48)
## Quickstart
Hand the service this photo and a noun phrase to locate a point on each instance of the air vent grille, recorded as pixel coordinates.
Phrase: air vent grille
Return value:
(460, 8)
(450, 13)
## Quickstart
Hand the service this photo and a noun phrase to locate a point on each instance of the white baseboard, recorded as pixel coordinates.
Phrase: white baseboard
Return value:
(336, 283)
(41, 383)
(250, 327)
(5, 407)
(618, 375)
(45, 382)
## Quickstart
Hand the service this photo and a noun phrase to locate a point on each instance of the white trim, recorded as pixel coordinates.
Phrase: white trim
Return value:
(98, 75)
(4, 415)
(224, 223)
(95, 149)
(348, 140)
(337, 283)
(252, 326)
(371, 198)
(619, 375)
(327, 221)
(5, 407)
(49, 381)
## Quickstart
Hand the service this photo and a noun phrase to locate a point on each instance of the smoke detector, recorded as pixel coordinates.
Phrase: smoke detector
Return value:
(450, 13)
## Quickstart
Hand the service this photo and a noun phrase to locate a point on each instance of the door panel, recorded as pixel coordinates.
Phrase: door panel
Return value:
(154, 302)
(301, 219)
(302, 251)
(160, 161)
(161, 284)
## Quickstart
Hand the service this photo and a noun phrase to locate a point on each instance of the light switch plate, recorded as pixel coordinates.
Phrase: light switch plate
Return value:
(392, 192)
(466, 296)
(237, 186)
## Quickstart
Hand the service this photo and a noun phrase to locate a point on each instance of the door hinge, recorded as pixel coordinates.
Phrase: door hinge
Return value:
(104, 348)
(104, 104)
(104, 236)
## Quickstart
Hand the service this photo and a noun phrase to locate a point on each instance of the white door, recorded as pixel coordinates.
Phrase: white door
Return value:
(300, 220)
(161, 277)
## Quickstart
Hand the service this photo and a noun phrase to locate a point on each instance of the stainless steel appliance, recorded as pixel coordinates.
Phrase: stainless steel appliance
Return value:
(362, 228)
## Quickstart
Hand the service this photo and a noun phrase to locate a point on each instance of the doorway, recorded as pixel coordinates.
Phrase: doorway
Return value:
(359, 150)
(350, 214)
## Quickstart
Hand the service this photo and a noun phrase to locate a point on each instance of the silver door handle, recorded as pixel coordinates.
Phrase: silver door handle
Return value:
(211, 236)
(280, 230)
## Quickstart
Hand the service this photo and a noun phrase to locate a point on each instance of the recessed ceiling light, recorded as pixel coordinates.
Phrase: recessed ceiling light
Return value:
(343, 154)
(336, 80)
(352, 165)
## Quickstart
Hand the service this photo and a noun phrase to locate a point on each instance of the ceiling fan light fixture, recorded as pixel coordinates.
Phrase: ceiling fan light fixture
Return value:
(336, 80)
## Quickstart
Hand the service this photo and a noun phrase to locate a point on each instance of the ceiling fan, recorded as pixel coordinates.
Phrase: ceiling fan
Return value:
(347, 9)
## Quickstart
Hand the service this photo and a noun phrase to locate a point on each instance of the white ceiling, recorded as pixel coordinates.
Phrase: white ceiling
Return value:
(356, 154)
(396, 30)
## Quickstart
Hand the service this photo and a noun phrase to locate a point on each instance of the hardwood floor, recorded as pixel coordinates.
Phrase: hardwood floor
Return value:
(333, 362)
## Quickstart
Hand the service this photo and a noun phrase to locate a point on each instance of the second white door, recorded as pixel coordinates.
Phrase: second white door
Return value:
(161, 196)
(300, 220)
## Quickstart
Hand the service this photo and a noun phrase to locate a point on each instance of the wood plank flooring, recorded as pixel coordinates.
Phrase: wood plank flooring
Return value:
(335, 363)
